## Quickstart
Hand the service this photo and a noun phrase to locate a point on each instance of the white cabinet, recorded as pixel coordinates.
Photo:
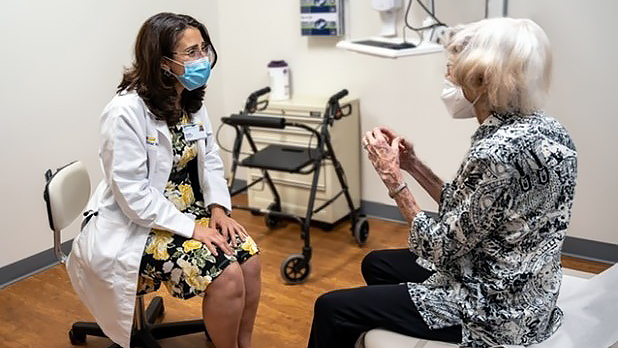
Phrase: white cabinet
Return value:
(294, 188)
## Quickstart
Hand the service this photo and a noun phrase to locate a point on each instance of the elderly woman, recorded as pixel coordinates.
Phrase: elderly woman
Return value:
(486, 269)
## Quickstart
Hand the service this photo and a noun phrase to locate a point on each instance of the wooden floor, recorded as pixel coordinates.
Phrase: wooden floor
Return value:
(38, 311)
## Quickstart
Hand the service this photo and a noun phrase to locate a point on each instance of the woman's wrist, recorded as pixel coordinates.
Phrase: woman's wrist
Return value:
(396, 191)
(216, 209)
(415, 164)
(407, 204)
(393, 181)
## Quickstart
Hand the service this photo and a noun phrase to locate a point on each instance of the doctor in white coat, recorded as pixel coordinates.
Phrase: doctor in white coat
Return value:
(158, 112)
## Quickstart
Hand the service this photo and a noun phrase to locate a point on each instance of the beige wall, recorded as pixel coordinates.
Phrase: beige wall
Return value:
(62, 60)
(584, 95)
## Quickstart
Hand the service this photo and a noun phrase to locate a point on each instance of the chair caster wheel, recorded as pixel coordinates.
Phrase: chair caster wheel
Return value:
(76, 339)
(295, 269)
(361, 231)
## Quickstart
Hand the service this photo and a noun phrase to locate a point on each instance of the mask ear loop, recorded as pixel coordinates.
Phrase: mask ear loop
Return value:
(483, 88)
(167, 70)
(477, 98)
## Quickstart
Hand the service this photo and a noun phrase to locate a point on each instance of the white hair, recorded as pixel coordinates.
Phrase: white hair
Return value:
(508, 58)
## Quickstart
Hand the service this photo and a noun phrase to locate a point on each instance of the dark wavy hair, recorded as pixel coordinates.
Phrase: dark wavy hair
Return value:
(157, 38)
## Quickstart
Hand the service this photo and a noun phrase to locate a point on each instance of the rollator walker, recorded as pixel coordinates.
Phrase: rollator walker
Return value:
(292, 159)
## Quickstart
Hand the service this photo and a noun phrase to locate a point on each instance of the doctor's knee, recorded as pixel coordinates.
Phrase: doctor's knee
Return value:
(230, 281)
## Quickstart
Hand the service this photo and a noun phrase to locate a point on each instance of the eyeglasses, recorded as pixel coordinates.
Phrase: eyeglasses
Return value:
(195, 52)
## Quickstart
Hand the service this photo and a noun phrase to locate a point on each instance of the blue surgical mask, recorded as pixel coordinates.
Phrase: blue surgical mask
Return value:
(196, 73)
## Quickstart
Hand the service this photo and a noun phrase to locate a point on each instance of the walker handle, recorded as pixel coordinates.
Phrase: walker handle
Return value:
(255, 121)
(259, 92)
(251, 105)
(335, 98)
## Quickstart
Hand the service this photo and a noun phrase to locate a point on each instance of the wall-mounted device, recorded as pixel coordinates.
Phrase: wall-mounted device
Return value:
(388, 12)
(321, 17)
(388, 44)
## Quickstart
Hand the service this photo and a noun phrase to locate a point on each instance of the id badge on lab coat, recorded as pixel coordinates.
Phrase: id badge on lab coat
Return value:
(194, 132)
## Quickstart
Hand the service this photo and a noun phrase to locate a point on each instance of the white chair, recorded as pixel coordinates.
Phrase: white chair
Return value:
(66, 194)
(590, 318)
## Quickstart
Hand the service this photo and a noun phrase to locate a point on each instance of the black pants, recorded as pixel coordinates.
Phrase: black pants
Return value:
(341, 316)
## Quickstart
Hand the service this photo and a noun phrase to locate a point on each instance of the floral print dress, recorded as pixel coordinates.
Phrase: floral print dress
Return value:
(185, 266)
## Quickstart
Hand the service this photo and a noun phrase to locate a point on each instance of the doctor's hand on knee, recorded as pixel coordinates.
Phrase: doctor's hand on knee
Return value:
(228, 227)
(211, 239)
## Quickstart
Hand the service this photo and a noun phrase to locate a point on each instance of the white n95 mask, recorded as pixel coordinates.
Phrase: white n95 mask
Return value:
(455, 101)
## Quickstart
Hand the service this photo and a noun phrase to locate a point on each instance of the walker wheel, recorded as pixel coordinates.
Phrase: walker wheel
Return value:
(272, 220)
(77, 340)
(295, 269)
(361, 231)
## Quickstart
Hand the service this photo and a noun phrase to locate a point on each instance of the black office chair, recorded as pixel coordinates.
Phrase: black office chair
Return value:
(66, 194)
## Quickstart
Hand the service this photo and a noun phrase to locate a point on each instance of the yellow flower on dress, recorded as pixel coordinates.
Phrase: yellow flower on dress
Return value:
(249, 246)
(174, 194)
(189, 153)
(186, 194)
(199, 282)
(203, 221)
(177, 200)
(192, 275)
(158, 247)
(191, 244)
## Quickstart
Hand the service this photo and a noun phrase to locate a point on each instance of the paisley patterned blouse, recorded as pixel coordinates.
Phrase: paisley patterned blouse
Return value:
(496, 243)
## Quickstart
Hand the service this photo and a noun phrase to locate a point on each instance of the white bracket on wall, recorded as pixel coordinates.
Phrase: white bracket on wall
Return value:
(388, 44)
(389, 47)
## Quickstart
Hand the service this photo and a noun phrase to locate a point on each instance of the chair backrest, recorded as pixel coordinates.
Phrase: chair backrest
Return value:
(66, 194)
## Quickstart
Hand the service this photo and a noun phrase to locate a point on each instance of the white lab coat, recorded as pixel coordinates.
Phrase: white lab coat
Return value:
(136, 157)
